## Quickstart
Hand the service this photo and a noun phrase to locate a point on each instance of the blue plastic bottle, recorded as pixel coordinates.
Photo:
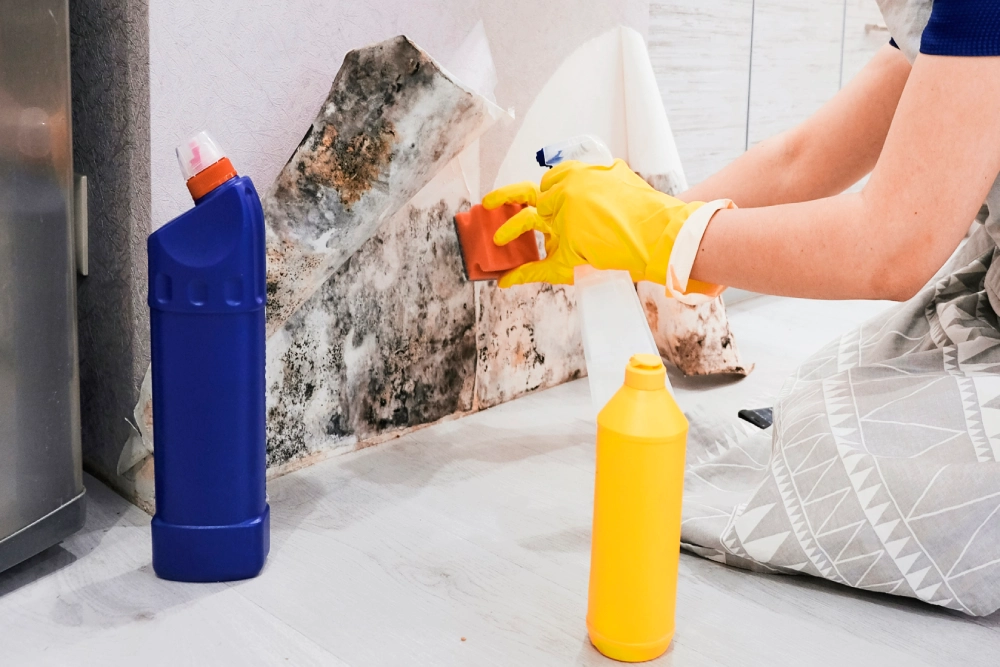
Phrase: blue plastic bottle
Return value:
(206, 300)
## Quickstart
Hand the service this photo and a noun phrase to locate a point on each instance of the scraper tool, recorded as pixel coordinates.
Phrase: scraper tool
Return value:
(481, 257)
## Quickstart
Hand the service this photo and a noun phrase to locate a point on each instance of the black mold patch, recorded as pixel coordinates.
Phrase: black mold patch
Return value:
(513, 357)
(425, 336)
(286, 433)
(371, 355)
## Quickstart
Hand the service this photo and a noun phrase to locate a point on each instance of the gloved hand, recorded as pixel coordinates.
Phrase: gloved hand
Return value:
(607, 217)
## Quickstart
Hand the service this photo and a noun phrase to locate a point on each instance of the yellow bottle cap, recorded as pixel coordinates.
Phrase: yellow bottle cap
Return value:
(645, 371)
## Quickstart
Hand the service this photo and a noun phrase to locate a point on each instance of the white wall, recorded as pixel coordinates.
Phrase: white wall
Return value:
(255, 73)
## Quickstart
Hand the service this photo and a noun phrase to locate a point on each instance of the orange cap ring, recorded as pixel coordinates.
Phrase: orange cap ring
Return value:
(210, 178)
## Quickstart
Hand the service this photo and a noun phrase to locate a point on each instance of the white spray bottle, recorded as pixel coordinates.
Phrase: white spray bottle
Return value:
(612, 321)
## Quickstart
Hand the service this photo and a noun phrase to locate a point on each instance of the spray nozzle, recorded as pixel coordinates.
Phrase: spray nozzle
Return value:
(198, 153)
(585, 148)
(203, 164)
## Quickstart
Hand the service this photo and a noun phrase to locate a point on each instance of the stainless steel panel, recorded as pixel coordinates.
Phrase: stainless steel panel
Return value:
(43, 533)
(40, 467)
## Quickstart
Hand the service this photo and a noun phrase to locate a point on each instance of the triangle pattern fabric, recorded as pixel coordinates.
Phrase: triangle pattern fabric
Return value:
(880, 469)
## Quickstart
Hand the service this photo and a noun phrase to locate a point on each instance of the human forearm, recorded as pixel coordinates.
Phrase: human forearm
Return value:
(763, 176)
(825, 154)
(816, 249)
(886, 241)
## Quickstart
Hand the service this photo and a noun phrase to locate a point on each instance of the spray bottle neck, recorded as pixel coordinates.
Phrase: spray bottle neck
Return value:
(585, 148)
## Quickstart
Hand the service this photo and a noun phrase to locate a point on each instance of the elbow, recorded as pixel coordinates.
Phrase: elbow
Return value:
(901, 257)
(788, 149)
(898, 288)
(900, 275)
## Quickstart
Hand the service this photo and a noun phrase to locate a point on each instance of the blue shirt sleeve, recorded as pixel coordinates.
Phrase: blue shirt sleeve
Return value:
(962, 28)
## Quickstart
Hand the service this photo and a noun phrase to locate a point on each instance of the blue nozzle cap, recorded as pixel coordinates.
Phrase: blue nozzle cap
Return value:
(540, 158)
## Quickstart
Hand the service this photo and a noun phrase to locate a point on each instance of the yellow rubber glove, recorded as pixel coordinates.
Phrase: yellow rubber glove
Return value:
(607, 217)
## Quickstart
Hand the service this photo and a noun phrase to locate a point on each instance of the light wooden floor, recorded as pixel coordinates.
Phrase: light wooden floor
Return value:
(462, 544)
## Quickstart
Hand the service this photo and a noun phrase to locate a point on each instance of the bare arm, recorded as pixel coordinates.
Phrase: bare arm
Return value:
(941, 156)
(825, 154)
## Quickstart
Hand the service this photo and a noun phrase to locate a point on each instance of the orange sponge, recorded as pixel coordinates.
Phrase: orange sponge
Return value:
(485, 260)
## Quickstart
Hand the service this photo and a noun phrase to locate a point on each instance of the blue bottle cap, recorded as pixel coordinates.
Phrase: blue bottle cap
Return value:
(540, 158)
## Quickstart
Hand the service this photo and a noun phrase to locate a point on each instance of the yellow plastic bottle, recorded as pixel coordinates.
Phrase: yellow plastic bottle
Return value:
(641, 438)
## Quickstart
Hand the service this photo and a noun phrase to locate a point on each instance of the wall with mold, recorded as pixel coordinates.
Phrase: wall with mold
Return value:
(365, 358)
